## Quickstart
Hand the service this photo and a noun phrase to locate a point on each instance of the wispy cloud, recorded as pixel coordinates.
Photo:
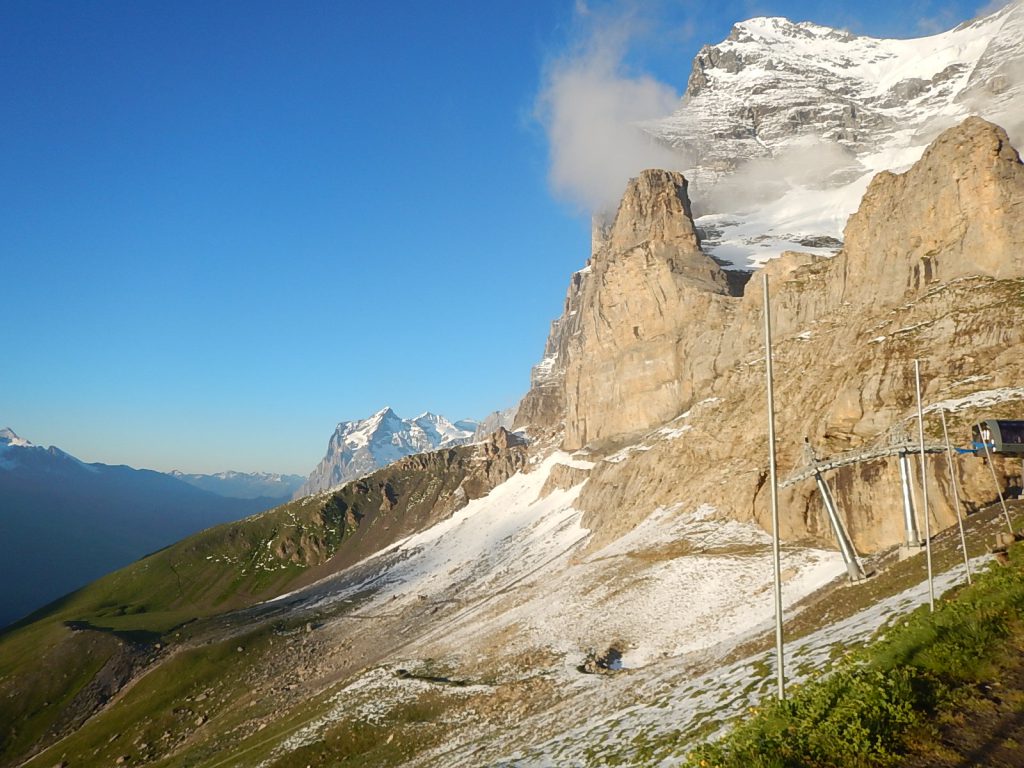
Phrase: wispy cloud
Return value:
(811, 163)
(589, 106)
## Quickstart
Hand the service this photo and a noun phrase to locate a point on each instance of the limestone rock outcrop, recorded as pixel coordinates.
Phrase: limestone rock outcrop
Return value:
(646, 288)
(664, 371)
(542, 409)
(957, 212)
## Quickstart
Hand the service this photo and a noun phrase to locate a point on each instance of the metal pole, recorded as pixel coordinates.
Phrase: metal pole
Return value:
(913, 538)
(924, 488)
(845, 546)
(956, 494)
(995, 482)
(776, 549)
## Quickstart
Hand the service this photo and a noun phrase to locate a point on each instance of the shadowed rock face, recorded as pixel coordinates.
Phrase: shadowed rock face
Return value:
(658, 354)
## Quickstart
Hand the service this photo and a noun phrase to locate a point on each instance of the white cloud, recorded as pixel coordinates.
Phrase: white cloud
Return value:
(812, 164)
(589, 106)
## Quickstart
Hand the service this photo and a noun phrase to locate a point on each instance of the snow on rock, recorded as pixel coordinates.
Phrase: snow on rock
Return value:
(9, 438)
(983, 399)
(788, 122)
(677, 583)
(669, 700)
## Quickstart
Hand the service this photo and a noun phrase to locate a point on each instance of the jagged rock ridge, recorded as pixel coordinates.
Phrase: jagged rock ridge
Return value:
(928, 258)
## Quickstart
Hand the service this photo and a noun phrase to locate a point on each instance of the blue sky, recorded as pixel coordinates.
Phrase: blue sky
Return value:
(226, 226)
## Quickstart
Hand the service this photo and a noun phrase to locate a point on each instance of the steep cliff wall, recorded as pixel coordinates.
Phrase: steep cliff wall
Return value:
(648, 288)
(666, 367)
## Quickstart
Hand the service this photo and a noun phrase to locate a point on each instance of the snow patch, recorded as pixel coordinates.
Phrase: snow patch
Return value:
(983, 399)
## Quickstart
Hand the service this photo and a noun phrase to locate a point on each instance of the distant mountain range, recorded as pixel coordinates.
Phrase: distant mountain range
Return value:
(66, 522)
(359, 447)
(246, 485)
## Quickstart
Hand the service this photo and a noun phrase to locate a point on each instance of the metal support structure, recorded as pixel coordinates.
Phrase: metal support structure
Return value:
(956, 495)
(776, 548)
(912, 536)
(995, 482)
(924, 487)
(850, 457)
(845, 545)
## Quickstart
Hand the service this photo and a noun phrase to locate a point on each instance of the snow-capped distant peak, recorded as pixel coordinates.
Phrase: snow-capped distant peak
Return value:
(359, 447)
(384, 414)
(243, 485)
(8, 437)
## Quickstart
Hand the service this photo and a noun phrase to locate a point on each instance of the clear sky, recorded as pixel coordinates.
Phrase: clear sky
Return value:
(226, 226)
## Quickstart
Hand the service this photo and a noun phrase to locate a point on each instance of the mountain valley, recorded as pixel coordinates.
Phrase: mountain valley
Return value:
(68, 522)
(588, 579)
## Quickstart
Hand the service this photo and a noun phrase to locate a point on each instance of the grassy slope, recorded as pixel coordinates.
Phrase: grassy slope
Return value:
(45, 664)
(156, 606)
(888, 704)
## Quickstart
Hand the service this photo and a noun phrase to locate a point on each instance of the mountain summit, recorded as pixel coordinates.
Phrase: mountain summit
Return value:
(784, 123)
(8, 437)
(358, 447)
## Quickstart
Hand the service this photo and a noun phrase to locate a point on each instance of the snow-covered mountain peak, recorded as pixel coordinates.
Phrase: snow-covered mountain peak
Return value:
(9, 438)
(359, 447)
(775, 29)
(785, 122)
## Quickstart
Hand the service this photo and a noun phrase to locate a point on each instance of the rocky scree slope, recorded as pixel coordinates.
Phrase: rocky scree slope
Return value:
(658, 371)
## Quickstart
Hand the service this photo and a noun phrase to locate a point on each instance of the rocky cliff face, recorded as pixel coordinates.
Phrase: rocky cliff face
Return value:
(956, 213)
(932, 269)
(647, 286)
(542, 409)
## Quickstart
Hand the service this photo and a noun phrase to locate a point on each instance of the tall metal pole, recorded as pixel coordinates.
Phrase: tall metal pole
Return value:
(776, 549)
(924, 487)
(956, 495)
(913, 538)
(995, 482)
